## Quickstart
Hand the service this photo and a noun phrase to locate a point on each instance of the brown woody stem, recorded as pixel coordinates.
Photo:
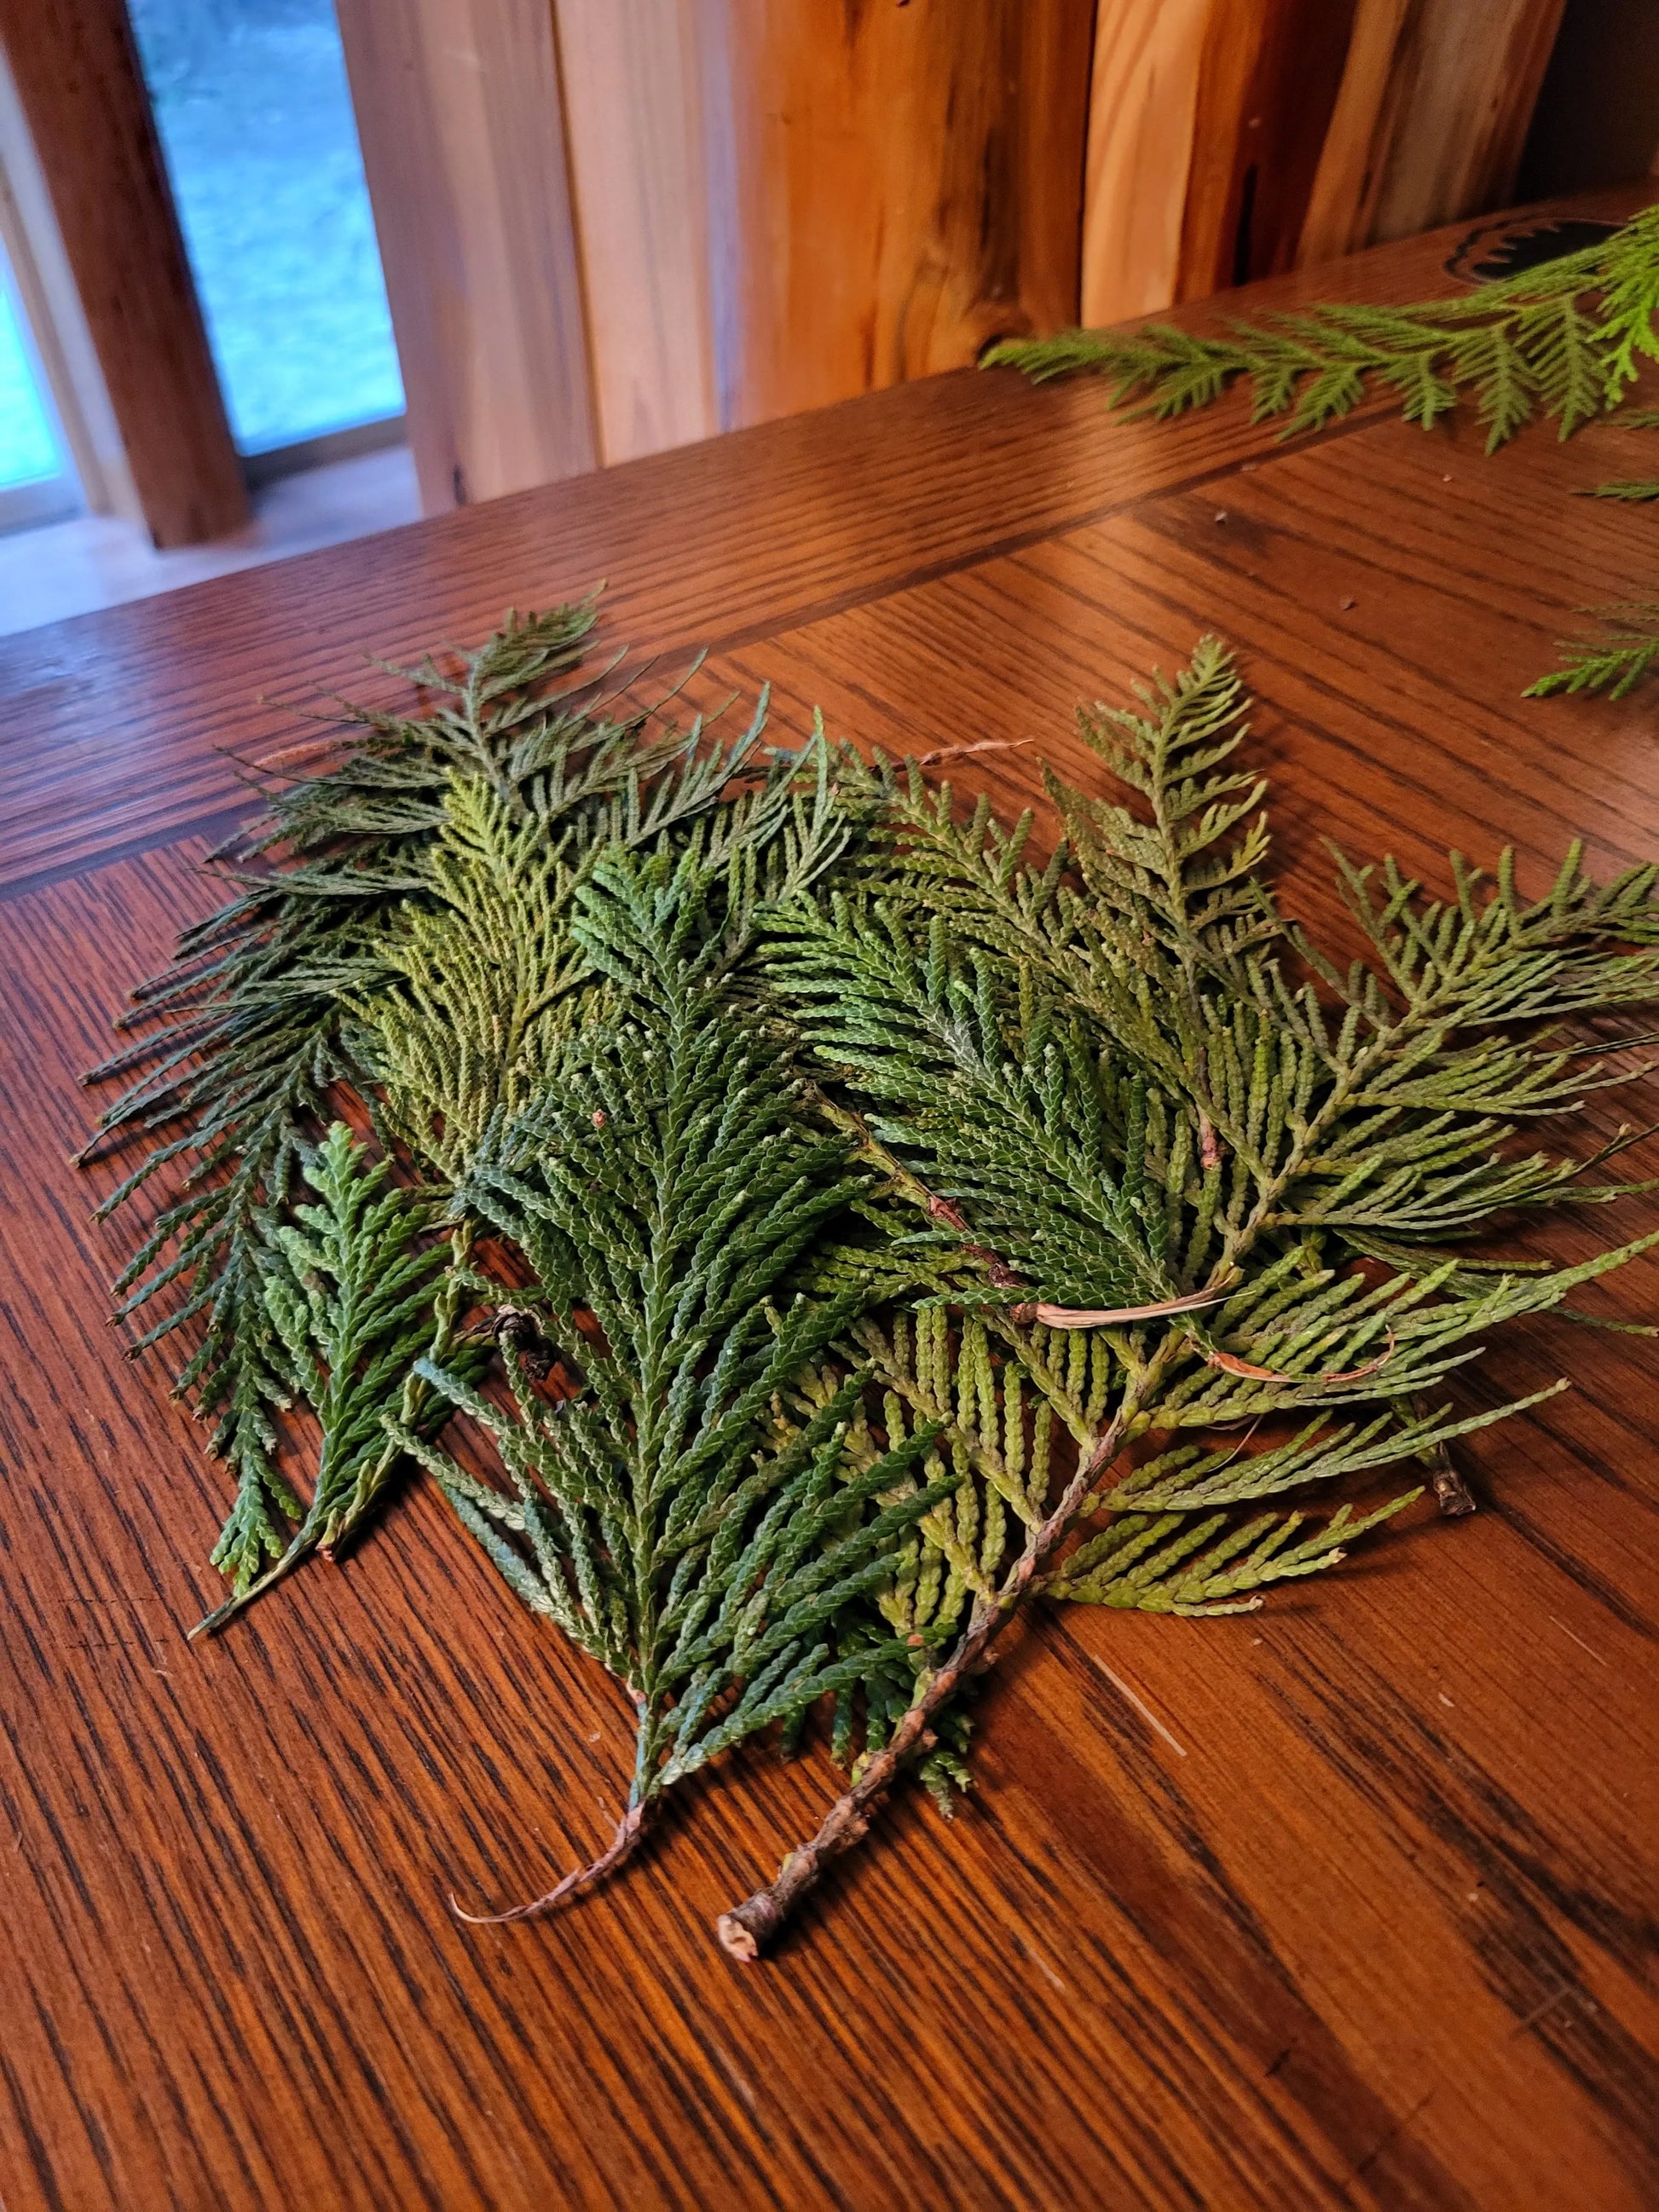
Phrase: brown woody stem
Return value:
(751, 1927)
(912, 1187)
(629, 1829)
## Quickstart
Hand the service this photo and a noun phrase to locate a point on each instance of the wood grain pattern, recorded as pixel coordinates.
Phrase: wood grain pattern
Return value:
(837, 507)
(1268, 78)
(1349, 1904)
(1430, 118)
(634, 117)
(1232, 139)
(459, 112)
(78, 82)
(889, 188)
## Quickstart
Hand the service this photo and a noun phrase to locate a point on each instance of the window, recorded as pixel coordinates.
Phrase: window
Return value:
(255, 117)
(35, 485)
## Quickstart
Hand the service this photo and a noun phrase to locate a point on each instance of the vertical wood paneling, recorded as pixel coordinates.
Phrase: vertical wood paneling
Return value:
(633, 118)
(1207, 123)
(81, 94)
(890, 187)
(45, 284)
(459, 112)
(1143, 109)
(1233, 139)
(1268, 80)
(1431, 118)
(782, 204)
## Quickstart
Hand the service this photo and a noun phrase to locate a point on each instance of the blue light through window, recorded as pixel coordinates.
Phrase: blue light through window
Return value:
(255, 117)
(28, 451)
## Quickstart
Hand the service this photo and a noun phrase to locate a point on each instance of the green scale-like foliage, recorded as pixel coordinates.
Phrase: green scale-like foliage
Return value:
(664, 1188)
(876, 1227)
(1120, 1081)
(1220, 1190)
(1566, 339)
(1628, 649)
(1616, 661)
(355, 1292)
(410, 948)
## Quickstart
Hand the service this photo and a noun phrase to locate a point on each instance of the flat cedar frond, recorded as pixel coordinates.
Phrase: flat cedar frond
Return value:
(424, 880)
(1285, 1090)
(1615, 662)
(469, 993)
(1256, 1103)
(1164, 1563)
(1016, 1119)
(1565, 340)
(715, 1606)
(1190, 874)
(355, 1292)
(1193, 1478)
(665, 1185)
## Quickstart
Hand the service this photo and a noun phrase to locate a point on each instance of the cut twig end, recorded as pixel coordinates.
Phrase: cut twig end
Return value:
(735, 1939)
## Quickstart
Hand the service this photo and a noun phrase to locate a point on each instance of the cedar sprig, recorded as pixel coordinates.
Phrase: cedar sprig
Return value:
(1615, 662)
(1133, 1017)
(662, 1187)
(356, 1289)
(344, 945)
(1566, 339)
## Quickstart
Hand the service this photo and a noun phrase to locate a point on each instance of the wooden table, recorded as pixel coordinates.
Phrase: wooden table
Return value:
(1351, 1903)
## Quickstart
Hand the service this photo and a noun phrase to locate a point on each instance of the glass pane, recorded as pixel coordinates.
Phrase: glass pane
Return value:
(255, 115)
(28, 451)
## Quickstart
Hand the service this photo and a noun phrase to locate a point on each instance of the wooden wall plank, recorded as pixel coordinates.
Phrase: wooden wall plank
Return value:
(890, 187)
(1143, 110)
(1430, 119)
(633, 118)
(460, 115)
(1234, 139)
(782, 204)
(45, 285)
(82, 93)
(1268, 82)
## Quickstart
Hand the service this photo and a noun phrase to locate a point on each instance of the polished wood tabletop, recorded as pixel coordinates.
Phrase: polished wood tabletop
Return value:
(1351, 1902)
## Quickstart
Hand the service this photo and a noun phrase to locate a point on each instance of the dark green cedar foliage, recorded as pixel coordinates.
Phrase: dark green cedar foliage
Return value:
(1134, 1080)
(411, 947)
(1566, 339)
(530, 979)
(355, 1292)
(664, 1187)
(899, 1229)
(1124, 1073)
